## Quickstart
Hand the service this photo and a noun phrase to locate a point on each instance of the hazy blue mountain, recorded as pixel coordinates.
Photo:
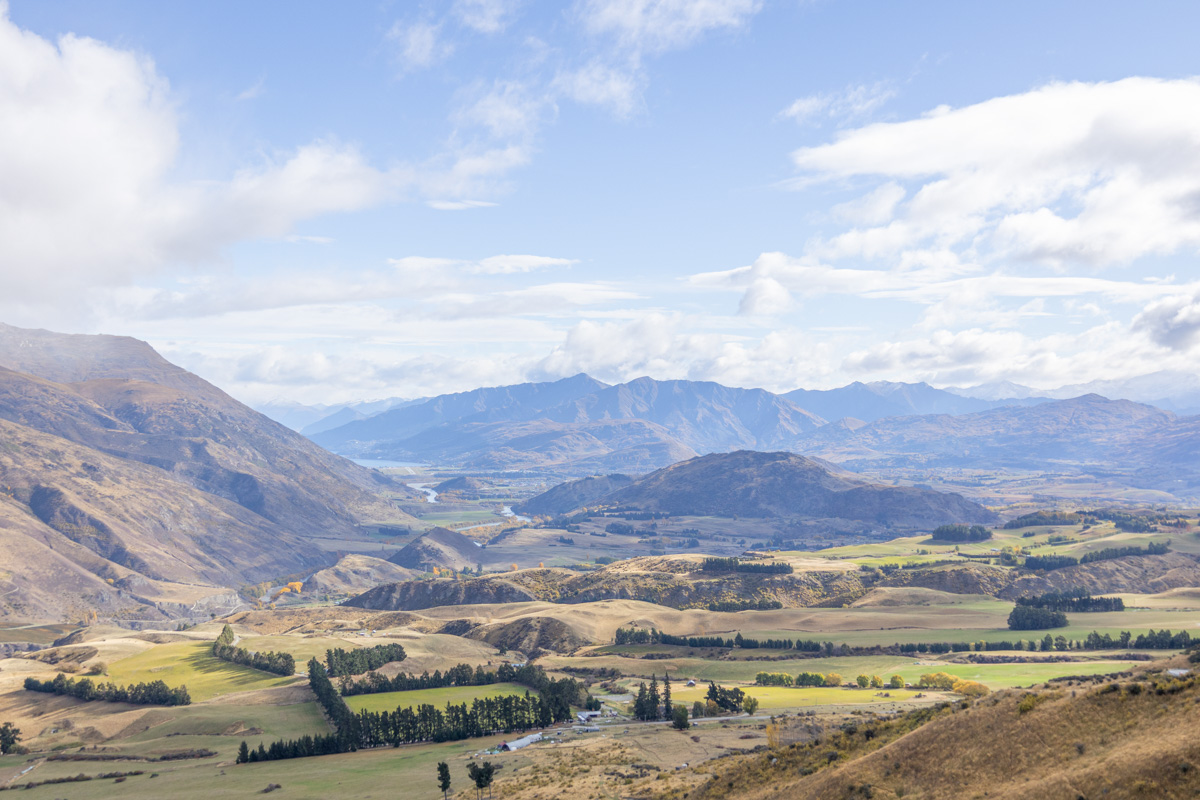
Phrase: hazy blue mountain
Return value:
(872, 401)
(1146, 445)
(519, 402)
(705, 416)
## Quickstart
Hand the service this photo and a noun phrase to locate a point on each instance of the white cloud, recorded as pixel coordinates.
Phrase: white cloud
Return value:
(600, 84)
(655, 26)
(766, 296)
(458, 205)
(485, 16)
(1094, 173)
(506, 109)
(855, 101)
(503, 265)
(875, 207)
(88, 141)
(419, 45)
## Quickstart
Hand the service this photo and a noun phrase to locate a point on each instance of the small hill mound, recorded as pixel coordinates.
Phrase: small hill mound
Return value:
(354, 574)
(417, 595)
(753, 484)
(573, 494)
(440, 547)
(465, 487)
(531, 635)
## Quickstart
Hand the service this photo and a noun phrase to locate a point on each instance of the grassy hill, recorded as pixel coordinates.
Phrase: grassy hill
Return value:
(1129, 738)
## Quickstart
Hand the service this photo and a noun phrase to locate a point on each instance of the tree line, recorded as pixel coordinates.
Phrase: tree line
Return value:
(1077, 601)
(341, 662)
(737, 565)
(155, 693)
(277, 663)
(1052, 562)
(961, 533)
(423, 723)
(462, 675)
(654, 636)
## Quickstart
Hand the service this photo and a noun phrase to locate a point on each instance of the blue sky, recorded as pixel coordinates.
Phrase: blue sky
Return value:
(398, 199)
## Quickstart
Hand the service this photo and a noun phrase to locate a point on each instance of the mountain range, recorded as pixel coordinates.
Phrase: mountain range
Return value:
(580, 426)
(129, 484)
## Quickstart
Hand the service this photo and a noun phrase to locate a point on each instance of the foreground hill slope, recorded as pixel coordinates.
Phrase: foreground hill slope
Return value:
(753, 484)
(1126, 739)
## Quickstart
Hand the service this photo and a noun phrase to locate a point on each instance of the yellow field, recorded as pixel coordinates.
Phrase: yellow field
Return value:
(390, 701)
(773, 698)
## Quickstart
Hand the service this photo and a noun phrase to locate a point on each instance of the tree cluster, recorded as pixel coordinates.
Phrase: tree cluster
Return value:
(1043, 518)
(341, 662)
(646, 703)
(745, 605)
(961, 533)
(730, 700)
(1108, 553)
(1077, 601)
(803, 679)
(155, 693)
(465, 675)
(1032, 618)
(423, 723)
(737, 565)
(276, 663)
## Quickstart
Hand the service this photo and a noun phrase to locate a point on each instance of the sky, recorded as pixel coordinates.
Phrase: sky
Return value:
(322, 203)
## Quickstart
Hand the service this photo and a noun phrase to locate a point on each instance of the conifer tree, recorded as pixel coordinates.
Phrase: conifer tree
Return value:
(666, 696)
(443, 770)
(243, 756)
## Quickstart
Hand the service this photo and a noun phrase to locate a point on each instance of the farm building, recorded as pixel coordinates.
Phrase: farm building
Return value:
(584, 716)
(517, 744)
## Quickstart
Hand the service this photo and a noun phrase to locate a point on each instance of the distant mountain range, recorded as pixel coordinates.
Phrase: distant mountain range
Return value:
(128, 484)
(580, 426)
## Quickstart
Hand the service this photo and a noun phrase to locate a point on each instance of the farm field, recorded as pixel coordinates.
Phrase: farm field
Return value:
(995, 676)
(390, 701)
(778, 698)
(191, 664)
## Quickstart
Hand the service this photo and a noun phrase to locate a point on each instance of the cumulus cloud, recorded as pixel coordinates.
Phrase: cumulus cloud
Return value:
(1172, 322)
(88, 140)
(1092, 173)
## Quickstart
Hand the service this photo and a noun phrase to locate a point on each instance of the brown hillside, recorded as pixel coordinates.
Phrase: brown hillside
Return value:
(441, 547)
(1116, 741)
(754, 484)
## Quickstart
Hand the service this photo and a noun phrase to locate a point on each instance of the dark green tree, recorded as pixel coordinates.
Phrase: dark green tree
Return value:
(666, 697)
(9, 736)
(482, 775)
(679, 718)
(243, 756)
(444, 778)
(652, 699)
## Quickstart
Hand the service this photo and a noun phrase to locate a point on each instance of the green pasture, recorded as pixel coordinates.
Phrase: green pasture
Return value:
(390, 701)
(302, 648)
(191, 664)
(773, 698)
(381, 774)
